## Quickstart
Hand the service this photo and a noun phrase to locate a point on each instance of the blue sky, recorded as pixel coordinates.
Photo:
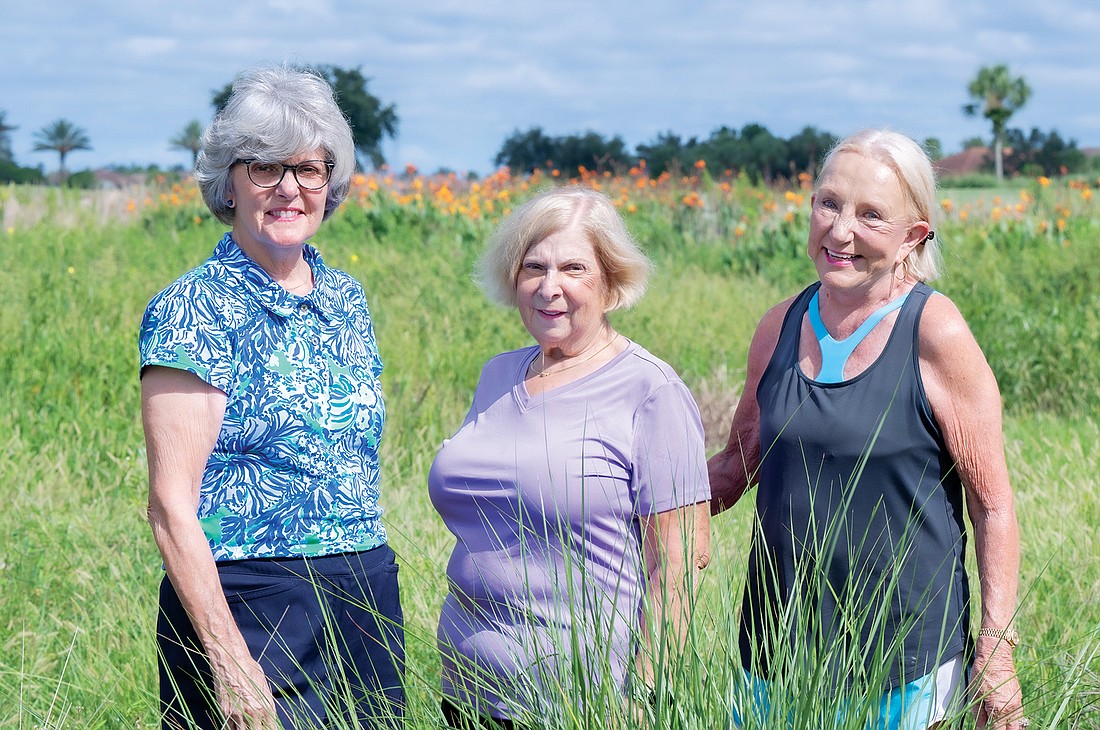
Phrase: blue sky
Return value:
(464, 75)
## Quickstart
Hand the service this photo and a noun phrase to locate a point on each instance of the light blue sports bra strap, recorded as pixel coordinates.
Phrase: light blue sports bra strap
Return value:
(834, 355)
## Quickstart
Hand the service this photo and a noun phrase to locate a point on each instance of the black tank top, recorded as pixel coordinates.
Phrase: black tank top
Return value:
(860, 518)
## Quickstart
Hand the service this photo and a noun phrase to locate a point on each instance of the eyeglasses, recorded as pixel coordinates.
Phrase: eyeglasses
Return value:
(310, 175)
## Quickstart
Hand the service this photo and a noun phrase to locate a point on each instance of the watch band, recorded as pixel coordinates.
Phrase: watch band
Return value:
(1009, 635)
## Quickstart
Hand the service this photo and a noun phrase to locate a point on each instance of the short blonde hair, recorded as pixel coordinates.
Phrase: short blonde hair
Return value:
(913, 169)
(624, 267)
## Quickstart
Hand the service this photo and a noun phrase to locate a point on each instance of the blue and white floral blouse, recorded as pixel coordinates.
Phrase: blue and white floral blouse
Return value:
(295, 468)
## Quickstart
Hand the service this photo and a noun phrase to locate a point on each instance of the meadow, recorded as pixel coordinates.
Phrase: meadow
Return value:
(78, 567)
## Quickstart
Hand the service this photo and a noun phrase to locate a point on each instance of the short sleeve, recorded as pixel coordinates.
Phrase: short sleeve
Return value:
(669, 456)
(184, 328)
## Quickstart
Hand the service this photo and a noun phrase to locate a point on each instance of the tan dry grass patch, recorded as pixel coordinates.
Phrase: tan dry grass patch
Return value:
(717, 396)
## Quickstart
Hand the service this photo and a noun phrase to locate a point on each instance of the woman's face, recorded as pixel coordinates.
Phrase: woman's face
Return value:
(561, 291)
(271, 222)
(860, 225)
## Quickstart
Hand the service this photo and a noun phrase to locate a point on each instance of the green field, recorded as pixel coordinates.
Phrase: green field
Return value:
(78, 566)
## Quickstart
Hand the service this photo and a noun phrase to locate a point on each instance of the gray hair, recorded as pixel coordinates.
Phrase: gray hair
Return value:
(914, 172)
(624, 267)
(274, 113)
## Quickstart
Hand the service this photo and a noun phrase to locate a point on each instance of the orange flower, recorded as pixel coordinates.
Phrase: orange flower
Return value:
(1044, 181)
(700, 164)
(692, 200)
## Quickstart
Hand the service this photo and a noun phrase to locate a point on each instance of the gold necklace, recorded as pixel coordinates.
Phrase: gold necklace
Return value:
(541, 372)
(308, 281)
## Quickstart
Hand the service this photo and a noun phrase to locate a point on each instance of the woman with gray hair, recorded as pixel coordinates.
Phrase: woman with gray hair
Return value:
(870, 421)
(263, 412)
(576, 486)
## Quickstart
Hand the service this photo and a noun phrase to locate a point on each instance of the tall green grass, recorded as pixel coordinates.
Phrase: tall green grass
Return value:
(79, 570)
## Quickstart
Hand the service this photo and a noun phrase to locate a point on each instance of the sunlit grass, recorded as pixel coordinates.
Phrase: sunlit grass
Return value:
(78, 567)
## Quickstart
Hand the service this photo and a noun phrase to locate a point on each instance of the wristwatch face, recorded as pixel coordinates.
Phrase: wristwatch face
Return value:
(1012, 636)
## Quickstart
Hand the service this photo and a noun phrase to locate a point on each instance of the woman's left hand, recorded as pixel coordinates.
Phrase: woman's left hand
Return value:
(966, 402)
(998, 701)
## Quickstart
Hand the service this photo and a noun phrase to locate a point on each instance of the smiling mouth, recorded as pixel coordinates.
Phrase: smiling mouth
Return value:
(284, 214)
(840, 256)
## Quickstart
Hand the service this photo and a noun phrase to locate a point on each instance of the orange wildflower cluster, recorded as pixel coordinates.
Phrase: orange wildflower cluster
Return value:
(633, 191)
(446, 193)
(1044, 207)
(739, 207)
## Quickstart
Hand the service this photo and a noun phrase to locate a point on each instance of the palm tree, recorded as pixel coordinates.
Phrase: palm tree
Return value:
(189, 139)
(997, 96)
(5, 139)
(61, 137)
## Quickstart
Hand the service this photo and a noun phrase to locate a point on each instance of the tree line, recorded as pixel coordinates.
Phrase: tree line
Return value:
(753, 151)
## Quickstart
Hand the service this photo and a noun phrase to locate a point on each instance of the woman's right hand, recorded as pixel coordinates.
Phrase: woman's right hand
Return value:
(242, 692)
(182, 416)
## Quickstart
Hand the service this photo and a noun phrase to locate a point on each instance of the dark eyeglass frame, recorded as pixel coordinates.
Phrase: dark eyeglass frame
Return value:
(293, 169)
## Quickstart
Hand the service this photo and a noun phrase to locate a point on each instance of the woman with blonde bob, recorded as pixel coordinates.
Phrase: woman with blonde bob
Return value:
(576, 486)
(871, 422)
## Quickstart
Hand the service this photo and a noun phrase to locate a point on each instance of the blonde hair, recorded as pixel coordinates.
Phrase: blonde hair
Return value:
(624, 267)
(913, 169)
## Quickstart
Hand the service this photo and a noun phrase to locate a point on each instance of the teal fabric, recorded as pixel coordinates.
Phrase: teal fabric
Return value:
(835, 354)
(908, 707)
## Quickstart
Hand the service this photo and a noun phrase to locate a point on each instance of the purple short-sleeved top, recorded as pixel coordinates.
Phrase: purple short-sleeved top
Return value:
(543, 494)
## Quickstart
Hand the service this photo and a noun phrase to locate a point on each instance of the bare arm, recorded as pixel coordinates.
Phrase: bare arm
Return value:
(676, 546)
(733, 469)
(967, 405)
(182, 416)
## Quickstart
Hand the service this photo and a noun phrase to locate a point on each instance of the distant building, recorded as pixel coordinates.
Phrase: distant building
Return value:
(107, 179)
(968, 162)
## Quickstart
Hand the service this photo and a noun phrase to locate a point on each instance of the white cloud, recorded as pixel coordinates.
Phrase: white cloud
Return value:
(464, 75)
(524, 77)
(146, 46)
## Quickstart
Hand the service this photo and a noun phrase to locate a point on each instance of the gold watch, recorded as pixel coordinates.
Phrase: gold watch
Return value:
(1010, 635)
